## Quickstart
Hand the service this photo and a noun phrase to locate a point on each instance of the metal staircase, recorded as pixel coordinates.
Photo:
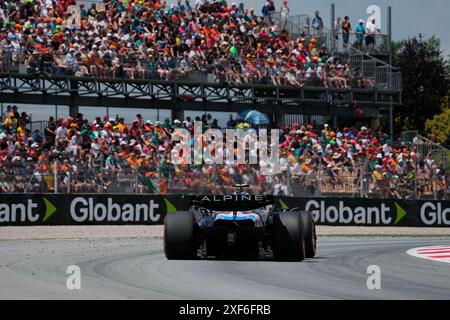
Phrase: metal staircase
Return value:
(384, 75)
(425, 146)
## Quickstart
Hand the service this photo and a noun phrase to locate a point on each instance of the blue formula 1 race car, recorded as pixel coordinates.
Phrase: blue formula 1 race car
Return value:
(239, 226)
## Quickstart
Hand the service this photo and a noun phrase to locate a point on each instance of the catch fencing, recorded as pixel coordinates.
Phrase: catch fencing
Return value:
(140, 175)
(150, 175)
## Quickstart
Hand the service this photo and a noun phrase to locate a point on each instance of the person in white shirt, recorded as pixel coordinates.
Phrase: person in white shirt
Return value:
(337, 27)
(429, 163)
(283, 164)
(292, 79)
(387, 148)
(322, 75)
(284, 15)
(74, 143)
(61, 133)
(46, 6)
(310, 73)
(371, 30)
(95, 148)
(296, 169)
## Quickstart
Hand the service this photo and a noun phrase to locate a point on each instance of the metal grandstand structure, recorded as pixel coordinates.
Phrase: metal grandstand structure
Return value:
(179, 96)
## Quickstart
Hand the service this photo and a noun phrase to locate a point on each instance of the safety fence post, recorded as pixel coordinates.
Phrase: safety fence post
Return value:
(55, 176)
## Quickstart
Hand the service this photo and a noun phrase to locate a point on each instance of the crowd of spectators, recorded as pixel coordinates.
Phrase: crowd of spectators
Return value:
(107, 155)
(151, 40)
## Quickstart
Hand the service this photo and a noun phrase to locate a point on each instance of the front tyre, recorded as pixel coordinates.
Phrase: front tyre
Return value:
(288, 241)
(179, 236)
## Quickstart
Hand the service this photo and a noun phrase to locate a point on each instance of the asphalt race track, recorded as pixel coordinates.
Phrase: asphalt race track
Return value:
(137, 269)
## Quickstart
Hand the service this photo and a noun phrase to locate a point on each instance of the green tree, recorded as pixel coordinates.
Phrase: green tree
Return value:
(434, 43)
(425, 82)
(438, 128)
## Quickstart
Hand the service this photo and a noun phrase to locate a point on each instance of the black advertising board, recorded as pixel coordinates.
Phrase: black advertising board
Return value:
(49, 209)
(374, 212)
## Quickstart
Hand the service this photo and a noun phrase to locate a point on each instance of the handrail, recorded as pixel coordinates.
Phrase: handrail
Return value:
(432, 143)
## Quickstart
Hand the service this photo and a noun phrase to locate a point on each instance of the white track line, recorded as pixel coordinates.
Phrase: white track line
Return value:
(435, 253)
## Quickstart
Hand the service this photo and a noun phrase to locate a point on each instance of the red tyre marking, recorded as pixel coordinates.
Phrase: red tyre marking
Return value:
(434, 249)
(434, 252)
(437, 253)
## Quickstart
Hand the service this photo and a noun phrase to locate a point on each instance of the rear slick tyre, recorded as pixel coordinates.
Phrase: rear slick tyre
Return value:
(179, 236)
(288, 242)
(309, 232)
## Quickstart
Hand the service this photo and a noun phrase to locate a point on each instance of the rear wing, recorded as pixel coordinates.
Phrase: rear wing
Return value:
(232, 202)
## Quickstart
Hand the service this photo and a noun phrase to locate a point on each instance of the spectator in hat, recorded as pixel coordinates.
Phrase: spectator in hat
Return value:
(83, 12)
(360, 33)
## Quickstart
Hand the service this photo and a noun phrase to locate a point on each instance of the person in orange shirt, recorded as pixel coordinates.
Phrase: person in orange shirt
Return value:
(21, 130)
(132, 160)
(140, 160)
(42, 160)
(121, 125)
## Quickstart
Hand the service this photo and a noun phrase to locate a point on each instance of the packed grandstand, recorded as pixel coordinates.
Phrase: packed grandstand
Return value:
(151, 40)
(107, 155)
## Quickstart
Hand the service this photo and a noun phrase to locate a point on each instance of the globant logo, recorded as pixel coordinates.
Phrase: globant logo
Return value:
(210, 148)
(346, 215)
(86, 210)
(27, 212)
(433, 214)
(19, 212)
